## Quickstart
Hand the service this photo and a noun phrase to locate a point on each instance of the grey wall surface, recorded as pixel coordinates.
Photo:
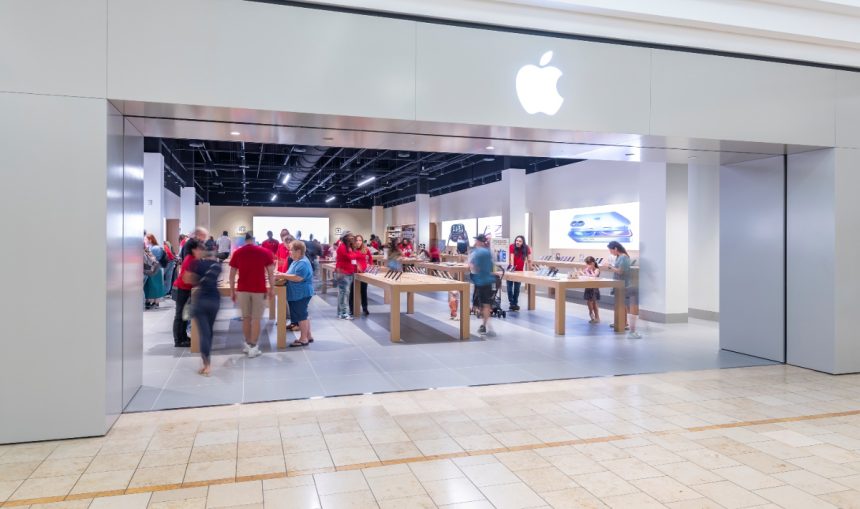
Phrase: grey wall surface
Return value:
(132, 261)
(752, 234)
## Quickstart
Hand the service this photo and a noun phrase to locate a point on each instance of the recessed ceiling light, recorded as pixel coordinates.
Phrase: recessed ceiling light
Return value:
(490, 147)
(274, 197)
(403, 154)
(630, 154)
(235, 133)
(329, 199)
(366, 181)
(328, 138)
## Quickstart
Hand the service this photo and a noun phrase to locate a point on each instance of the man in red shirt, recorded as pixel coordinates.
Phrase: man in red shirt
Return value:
(270, 243)
(255, 265)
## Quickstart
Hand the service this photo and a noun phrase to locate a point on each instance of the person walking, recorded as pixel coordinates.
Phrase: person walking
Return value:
(621, 272)
(153, 290)
(254, 265)
(344, 271)
(201, 234)
(364, 259)
(520, 256)
(300, 289)
(206, 300)
(481, 266)
(183, 294)
(225, 245)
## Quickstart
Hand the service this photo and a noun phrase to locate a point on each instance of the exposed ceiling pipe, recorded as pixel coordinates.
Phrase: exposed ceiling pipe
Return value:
(304, 166)
(260, 159)
(297, 188)
(365, 165)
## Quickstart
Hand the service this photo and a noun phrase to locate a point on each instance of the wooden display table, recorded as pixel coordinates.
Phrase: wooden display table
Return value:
(278, 311)
(458, 270)
(411, 284)
(326, 269)
(575, 265)
(460, 258)
(560, 285)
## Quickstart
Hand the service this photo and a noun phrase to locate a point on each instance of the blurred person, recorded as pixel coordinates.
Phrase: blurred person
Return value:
(364, 259)
(406, 248)
(225, 246)
(393, 261)
(254, 265)
(201, 234)
(481, 266)
(270, 243)
(434, 255)
(621, 272)
(170, 270)
(211, 244)
(520, 259)
(344, 271)
(153, 290)
(206, 301)
(592, 295)
(183, 294)
(300, 289)
(375, 243)
(313, 252)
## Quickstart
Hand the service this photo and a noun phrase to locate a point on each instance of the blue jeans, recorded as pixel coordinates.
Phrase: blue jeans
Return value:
(168, 277)
(344, 283)
(513, 293)
(205, 311)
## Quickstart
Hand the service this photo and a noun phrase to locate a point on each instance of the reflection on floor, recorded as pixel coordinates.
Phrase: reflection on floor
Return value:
(357, 357)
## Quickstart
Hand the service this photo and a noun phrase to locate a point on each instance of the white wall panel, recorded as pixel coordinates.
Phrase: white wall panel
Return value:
(704, 239)
(153, 194)
(53, 47)
(848, 109)
(722, 98)
(261, 56)
(132, 315)
(847, 280)
(231, 218)
(469, 76)
(752, 268)
(52, 357)
(171, 205)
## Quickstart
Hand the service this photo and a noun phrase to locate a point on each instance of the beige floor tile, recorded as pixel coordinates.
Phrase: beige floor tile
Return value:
(219, 452)
(210, 471)
(103, 481)
(18, 471)
(304, 444)
(516, 438)
(313, 460)
(136, 501)
(637, 500)
(792, 438)
(575, 464)
(823, 467)
(790, 497)
(304, 497)
(124, 446)
(386, 471)
(698, 503)
(83, 503)
(631, 468)
(158, 476)
(28, 453)
(780, 450)
(354, 500)
(167, 441)
(546, 479)
(477, 504)
(689, 473)
(764, 463)
(522, 460)
(261, 465)
(7, 488)
(61, 467)
(189, 503)
(438, 446)
(216, 438)
(342, 440)
(262, 448)
(111, 462)
(602, 451)
(729, 495)
(665, 489)
(396, 451)
(748, 478)
(478, 459)
(843, 499)
(417, 502)
(654, 455)
(834, 453)
(452, 491)
(288, 482)
(709, 459)
(264, 434)
(353, 455)
(165, 457)
(310, 429)
(385, 436)
(180, 494)
(396, 487)
(86, 448)
(490, 474)
(340, 482)
(809, 482)
(513, 496)
(435, 470)
(573, 498)
(480, 442)
(243, 493)
(605, 484)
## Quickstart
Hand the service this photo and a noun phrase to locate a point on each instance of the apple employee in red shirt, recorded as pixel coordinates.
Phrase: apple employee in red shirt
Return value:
(254, 265)
(520, 259)
(270, 243)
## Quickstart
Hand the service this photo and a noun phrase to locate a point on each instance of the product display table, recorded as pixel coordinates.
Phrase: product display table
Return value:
(410, 284)
(457, 270)
(560, 284)
(326, 270)
(575, 265)
(461, 258)
(277, 311)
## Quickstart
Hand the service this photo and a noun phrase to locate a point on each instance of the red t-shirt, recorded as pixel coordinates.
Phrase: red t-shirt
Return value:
(519, 262)
(271, 245)
(343, 260)
(406, 250)
(186, 267)
(364, 260)
(283, 257)
(251, 261)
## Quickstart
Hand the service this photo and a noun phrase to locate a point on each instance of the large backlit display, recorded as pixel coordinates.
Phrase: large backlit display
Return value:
(594, 227)
(459, 228)
(318, 226)
(490, 226)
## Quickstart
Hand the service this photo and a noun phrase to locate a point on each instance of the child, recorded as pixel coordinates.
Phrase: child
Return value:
(453, 304)
(592, 295)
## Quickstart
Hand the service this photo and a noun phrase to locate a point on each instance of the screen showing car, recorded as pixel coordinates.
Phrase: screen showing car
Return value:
(594, 227)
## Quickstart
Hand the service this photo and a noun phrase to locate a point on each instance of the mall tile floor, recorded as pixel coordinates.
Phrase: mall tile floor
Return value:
(764, 437)
(357, 357)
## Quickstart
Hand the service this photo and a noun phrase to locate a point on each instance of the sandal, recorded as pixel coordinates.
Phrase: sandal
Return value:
(298, 343)
(293, 327)
(203, 372)
(310, 340)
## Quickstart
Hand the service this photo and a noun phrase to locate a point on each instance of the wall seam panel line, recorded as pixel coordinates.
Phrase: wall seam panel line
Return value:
(39, 94)
(785, 258)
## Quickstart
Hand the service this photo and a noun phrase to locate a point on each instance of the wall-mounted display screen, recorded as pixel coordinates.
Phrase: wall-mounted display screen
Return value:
(490, 226)
(594, 227)
(318, 226)
(457, 229)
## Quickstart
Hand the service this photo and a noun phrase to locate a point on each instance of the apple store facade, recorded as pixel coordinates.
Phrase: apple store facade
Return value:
(778, 142)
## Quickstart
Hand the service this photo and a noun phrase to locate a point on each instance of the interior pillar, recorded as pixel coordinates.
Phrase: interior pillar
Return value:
(422, 219)
(153, 194)
(187, 210)
(514, 203)
(663, 254)
(377, 220)
(204, 216)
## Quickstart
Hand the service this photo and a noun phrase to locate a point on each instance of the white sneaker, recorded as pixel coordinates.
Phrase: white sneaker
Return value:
(254, 351)
(491, 332)
(634, 335)
(245, 347)
(348, 317)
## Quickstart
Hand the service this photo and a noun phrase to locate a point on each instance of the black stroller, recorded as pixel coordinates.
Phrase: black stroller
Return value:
(496, 310)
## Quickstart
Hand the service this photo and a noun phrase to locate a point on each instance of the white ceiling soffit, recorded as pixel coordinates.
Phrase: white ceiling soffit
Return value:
(822, 31)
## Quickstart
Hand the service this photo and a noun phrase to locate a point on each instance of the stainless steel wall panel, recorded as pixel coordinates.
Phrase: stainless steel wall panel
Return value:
(114, 251)
(131, 255)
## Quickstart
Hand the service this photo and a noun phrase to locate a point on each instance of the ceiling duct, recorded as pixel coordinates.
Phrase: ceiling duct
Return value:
(303, 165)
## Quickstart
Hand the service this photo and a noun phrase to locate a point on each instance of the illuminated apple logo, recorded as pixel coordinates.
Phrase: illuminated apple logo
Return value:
(536, 87)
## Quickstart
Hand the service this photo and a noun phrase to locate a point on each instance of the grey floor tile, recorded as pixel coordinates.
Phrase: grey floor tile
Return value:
(412, 363)
(432, 378)
(274, 390)
(340, 368)
(481, 375)
(143, 400)
(357, 384)
(206, 395)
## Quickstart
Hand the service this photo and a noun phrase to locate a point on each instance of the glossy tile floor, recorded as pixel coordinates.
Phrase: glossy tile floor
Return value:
(764, 437)
(357, 357)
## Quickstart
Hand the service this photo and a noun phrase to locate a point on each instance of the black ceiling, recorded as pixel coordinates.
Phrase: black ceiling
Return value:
(243, 173)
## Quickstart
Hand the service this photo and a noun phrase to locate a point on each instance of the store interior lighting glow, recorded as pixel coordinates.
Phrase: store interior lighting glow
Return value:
(366, 181)
(329, 199)
(286, 179)
(274, 197)
(490, 147)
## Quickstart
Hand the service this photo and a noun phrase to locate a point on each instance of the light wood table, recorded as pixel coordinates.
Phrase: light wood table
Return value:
(278, 311)
(411, 284)
(560, 285)
(460, 258)
(575, 266)
(326, 269)
(458, 270)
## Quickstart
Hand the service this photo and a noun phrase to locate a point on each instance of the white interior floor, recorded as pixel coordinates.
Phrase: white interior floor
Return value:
(357, 357)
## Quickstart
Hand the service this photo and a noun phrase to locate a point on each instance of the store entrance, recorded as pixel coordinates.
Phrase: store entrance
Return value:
(569, 319)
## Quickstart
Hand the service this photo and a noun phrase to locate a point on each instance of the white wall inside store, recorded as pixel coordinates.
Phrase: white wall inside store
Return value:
(704, 240)
(231, 218)
(153, 194)
(171, 205)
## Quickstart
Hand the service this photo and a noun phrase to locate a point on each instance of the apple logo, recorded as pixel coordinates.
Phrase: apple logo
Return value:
(536, 87)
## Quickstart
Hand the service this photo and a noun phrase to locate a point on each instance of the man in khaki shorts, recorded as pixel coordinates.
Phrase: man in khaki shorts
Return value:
(255, 265)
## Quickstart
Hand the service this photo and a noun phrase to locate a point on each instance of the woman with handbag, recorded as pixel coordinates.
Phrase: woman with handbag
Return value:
(205, 299)
(153, 290)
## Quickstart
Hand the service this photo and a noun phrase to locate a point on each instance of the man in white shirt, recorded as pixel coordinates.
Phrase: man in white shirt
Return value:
(224, 246)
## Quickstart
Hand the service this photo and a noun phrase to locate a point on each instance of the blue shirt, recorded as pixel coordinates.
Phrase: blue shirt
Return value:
(305, 288)
(623, 263)
(482, 260)
(207, 284)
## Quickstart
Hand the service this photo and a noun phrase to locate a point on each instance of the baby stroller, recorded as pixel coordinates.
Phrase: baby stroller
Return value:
(496, 310)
